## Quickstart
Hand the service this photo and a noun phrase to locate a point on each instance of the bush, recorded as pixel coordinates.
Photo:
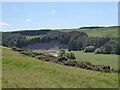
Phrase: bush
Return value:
(98, 51)
(62, 53)
(70, 55)
(71, 63)
(22, 52)
(89, 49)
(33, 55)
(62, 59)
(17, 49)
(41, 57)
(86, 65)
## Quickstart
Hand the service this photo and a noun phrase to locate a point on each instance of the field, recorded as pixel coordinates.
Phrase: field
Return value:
(108, 59)
(100, 32)
(20, 71)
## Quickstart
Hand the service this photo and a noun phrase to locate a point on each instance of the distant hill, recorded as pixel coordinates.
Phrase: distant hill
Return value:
(32, 32)
(111, 31)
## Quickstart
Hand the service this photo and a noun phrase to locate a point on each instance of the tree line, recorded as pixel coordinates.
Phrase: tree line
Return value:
(75, 40)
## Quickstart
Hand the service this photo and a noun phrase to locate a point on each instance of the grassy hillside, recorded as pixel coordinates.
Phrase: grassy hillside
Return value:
(102, 32)
(99, 32)
(103, 59)
(23, 71)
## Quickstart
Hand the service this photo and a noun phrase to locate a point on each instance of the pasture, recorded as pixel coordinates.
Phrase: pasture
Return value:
(99, 32)
(20, 71)
(103, 59)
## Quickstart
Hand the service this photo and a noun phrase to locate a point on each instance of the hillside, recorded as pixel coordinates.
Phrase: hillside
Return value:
(23, 71)
(105, 38)
(97, 32)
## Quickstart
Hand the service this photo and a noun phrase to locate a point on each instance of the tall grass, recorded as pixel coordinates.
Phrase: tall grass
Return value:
(20, 71)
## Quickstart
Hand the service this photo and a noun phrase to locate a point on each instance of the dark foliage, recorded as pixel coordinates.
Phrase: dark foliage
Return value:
(95, 27)
(110, 47)
(32, 32)
(62, 59)
(74, 40)
(70, 63)
(11, 39)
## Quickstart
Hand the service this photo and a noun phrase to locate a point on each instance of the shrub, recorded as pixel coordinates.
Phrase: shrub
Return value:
(89, 49)
(41, 57)
(62, 53)
(33, 55)
(22, 52)
(17, 49)
(86, 65)
(98, 51)
(72, 56)
(62, 59)
(71, 63)
(29, 53)
(107, 48)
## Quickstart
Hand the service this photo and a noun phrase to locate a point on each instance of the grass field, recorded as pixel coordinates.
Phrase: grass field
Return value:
(21, 71)
(108, 59)
(100, 32)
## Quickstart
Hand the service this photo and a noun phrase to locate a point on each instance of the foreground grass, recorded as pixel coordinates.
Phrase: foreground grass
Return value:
(103, 59)
(22, 71)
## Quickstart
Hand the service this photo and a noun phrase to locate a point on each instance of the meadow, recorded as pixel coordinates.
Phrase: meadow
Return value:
(99, 32)
(20, 71)
(103, 59)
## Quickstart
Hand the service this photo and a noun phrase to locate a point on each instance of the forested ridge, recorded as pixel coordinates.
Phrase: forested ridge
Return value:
(76, 40)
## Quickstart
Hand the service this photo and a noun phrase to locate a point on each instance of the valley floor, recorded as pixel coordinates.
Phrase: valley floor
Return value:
(103, 59)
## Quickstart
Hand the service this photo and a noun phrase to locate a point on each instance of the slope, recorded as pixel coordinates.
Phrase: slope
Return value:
(97, 32)
(20, 71)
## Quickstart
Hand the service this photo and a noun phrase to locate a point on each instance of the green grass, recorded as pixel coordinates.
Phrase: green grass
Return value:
(103, 59)
(31, 37)
(100, 32)
(20, 71)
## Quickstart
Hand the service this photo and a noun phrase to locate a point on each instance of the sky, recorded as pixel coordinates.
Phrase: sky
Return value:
(51, 15)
